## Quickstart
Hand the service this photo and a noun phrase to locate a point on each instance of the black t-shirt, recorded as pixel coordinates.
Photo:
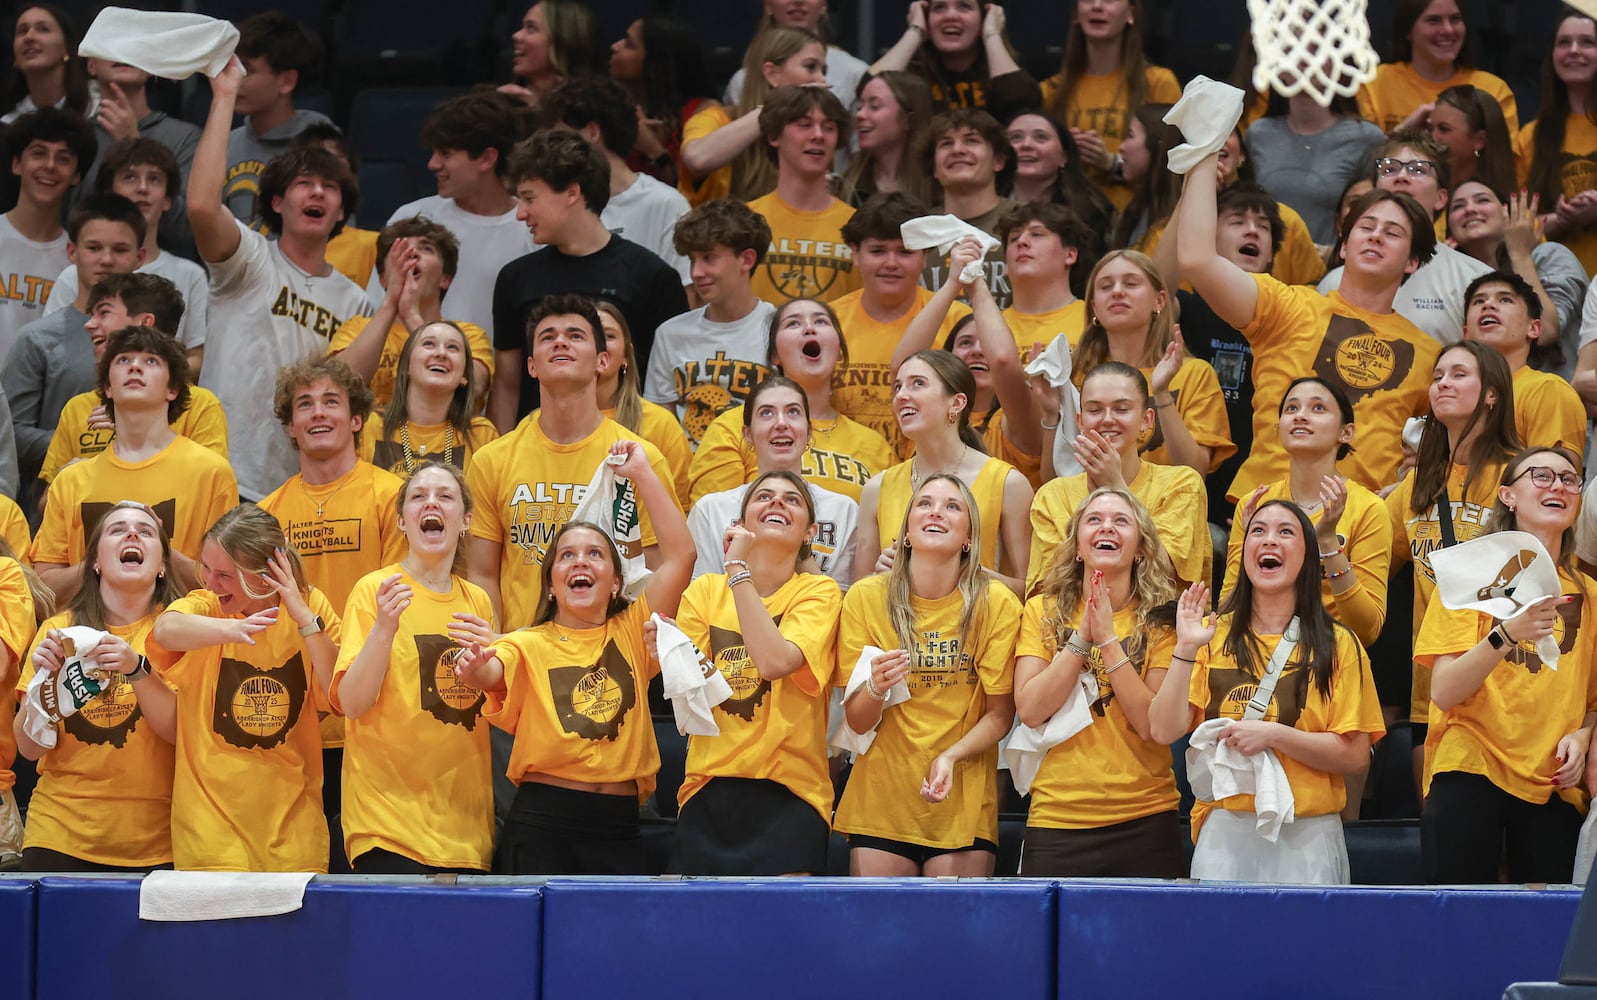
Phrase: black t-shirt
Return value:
(1211, 338)
(645, 288)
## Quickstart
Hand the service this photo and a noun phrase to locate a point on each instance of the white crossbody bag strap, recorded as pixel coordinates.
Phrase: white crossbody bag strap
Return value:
(1260, 702)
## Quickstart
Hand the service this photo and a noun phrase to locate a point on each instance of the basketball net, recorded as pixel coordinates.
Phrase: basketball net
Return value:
(1315, 47)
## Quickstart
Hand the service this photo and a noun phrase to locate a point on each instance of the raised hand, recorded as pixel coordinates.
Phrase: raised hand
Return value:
(1195, 623)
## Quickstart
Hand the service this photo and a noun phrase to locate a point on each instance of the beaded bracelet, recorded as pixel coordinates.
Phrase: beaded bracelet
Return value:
(742, 577)
(1344, 572)
(1118, 664)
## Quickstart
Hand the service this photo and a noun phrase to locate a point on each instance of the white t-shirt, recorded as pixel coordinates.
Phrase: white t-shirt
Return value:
(1433, 297)
(835, 516)
(27, 271)
(487, 243)
(266, 313)
(701, 368)
(646, 213)
(188, 276)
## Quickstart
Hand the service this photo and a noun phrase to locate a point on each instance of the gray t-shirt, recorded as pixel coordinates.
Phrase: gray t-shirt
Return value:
(52, 362)
(1309, 172)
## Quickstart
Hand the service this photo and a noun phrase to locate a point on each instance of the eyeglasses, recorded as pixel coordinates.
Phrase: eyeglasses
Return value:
(1387, 166)
(1542, 476)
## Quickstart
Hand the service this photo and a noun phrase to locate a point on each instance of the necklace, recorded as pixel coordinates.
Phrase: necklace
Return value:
(321, 503)
(410, 459)
(916, 480)
(432, 583)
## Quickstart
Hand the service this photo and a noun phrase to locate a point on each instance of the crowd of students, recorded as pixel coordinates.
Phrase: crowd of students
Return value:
(348, 614)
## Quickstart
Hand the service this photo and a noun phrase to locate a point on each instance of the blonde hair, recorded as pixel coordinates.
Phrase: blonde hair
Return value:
(629, 396)
(973, 578)
(1093, 349)
(249, 536)
(1153, 578)
(753, 170)
(38, 591)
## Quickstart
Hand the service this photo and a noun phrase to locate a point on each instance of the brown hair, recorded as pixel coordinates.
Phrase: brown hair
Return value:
(88, 604)
(1134, 66)
(294, 377)
(146, 340)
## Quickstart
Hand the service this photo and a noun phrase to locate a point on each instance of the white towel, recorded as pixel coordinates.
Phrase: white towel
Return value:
(1054, 364)
(1502, 574)
(172, 46)
(53, 696)
(847, 738)
(220, 895)
(1207, 114)
(612, 504)
(942, 232)
(690, 680)
(1027, 746)
(1217, 771)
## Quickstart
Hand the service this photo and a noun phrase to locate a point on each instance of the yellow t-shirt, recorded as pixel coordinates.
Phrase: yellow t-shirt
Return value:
(1397, 90)
(1221, 689)
(14, 527)
(16, 632)
(1416, 536)
(894, 497)
(862, 389)
(1042, 328)
(949, 682)
(1547, 410)
(842, 456)
(718, 183)
(382, 380)
(353, 253)
(436, 441)
(808, 258)
(660, 427)
(1578, 173)
(1508, 730)
(1365, 532)
(105, 791)
(1297, 260)
(187, 484)
(1380, 361)
(417, 777)
(770, 730)
(1101, 104)
(247, 791)
(1105, 774)
(526, 486)
(1201, 403)
(204, 422)
(578, 701)
(1175, 498)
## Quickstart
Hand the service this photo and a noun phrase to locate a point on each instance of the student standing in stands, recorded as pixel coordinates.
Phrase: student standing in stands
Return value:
(661, 64)
(556, 41)
(104, 798)
(1504, 311)
(1430, 50)
(969, 156)
(47, 72)
(1305, 153)
(1556, 149)
(273, 302)
(562, 184)
(886, 123)
(962, 51)
(844, 70)
(620, 400)
(1048, 168)
(432, 414)
(1048, 253)
(23, 595)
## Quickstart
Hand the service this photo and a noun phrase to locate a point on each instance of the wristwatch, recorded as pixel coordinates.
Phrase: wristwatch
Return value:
(140, 669)
(1498, 637)
(314, 627)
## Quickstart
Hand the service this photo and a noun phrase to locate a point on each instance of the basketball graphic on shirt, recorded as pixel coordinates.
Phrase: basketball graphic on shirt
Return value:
(255, 709)
(443, 695)
(592, 701)
(742, 676)
(803, 276)
(1566, 628)
(1231, 689)
(1360, 363)
(108, 719)
(700, 406)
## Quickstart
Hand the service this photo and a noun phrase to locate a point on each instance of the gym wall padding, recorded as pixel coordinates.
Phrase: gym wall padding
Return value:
(351, 939)
(799, 940)
(17, 924)
(1145, 940)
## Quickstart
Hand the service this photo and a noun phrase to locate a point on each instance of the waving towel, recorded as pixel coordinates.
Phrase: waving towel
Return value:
(53, 696)
(612, 504)
(1217, 771)
(1207, 114)
(1502, 574)
(942, 232)
(1027, 747)
(172, 46)
(691, 681)
(848, 739)
(1053, 364)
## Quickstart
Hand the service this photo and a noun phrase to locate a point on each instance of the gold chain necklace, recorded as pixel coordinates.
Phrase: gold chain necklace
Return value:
(322, 503)
(917, 481)
(410, 459)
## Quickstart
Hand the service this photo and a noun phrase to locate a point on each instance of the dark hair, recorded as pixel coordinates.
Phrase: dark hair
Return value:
(87, 605)
(984, 125)
(765, 385)
(794, 480)
(147, 340)
(1343, 408)
(140, 152)
(419, 227)
(1133, 68)
(292, 378)
(52, 125)
(787, 105)
(956, 379)
(1504, 518)
(284, 43)
(475, 123)
(1073, 189)
(1422, 231)
(547, 605)
(560, 160)
(107, 208)
(1406, 14)
(1498, 438)
(1519, 286)
(141, 293)
(927, 62)
(1062, 222)
(313, 161)
(322, 134)
(565, 305)
(914, 97)
(673, 69)
(776, 325)
(75, 78)
(1545, 176)
(600, 100)
(1119, 369)
(1316, 630)
(1420, 142)
(1160, 188)
(459, 413)
(1250, 198)
(1495, 161)
(882, 217)
(724, 222)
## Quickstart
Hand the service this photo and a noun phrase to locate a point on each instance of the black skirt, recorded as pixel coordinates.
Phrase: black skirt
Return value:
(746, 826)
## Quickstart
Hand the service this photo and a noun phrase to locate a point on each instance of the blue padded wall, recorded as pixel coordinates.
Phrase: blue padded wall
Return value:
(18, 928)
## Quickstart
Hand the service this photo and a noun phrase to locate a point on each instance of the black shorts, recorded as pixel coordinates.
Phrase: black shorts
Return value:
(747, 826)
(42, 859)
(918, 853)
(1149, 847)
(377, 861)
(561, 831)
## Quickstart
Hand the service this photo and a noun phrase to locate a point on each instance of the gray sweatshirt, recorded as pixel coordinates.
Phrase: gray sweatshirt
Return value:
(248, 153)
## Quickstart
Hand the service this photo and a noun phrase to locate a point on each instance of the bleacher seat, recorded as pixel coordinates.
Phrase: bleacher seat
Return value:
(385, 130)
(384, 186)
(1384, 852)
